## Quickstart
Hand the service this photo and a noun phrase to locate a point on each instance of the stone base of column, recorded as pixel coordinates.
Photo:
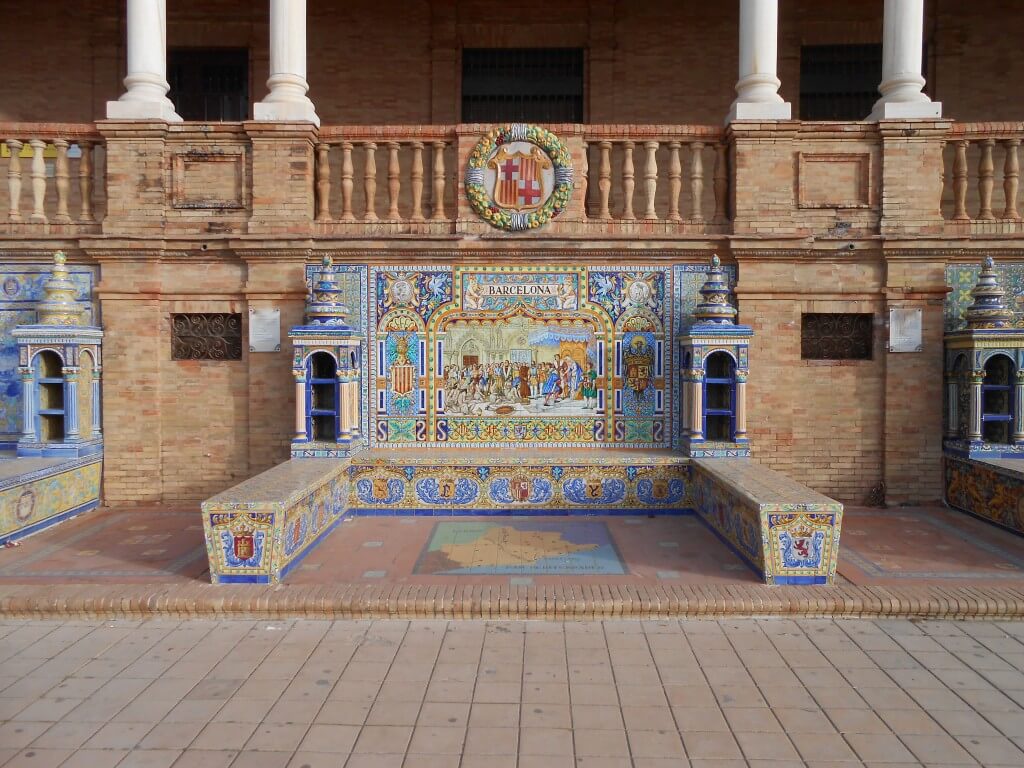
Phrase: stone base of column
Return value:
(906, 110)
(760, 110)
(285, 111)
(142, 110)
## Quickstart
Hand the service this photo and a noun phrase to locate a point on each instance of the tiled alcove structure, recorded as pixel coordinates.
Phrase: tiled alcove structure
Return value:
(327, 366)
(984, 405)
(56, 471)
(550, 390)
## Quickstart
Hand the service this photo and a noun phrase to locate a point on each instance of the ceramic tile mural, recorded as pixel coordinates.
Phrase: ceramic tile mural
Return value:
(961, 278)
(520, 548)
(488, 356)
(36, 499)
(21, 290)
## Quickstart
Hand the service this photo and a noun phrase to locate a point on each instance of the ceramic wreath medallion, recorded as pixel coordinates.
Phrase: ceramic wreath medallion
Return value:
(519, 177)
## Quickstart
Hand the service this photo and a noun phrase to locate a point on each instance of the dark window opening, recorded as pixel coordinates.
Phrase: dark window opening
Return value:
(719, 397)
(533, 85)
(322, 391)
(209, 84)
(839, 82)
(997, 400)
(835, 336)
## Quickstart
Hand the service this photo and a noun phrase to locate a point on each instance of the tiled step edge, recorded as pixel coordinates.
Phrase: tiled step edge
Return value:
(505, 602)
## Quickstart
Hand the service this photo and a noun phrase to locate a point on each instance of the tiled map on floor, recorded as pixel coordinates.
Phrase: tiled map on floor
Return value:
(520, 547)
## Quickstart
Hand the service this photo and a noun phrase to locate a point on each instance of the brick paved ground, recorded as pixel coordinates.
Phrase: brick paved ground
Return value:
(354, 694)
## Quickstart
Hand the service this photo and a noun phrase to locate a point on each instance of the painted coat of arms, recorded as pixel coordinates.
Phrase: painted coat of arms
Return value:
(519, 177)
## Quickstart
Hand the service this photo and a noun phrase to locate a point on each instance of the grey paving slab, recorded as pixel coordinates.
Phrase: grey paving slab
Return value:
(308, 693)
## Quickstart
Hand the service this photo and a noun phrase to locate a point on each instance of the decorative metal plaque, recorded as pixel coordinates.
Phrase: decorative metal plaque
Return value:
(905, 330)
(835, 336)
(206, 336)
(265, 330)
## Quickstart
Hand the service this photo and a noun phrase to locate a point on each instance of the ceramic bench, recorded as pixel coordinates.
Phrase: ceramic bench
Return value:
(36, 493)
(257, 531)
(992, 489)
(788, 532)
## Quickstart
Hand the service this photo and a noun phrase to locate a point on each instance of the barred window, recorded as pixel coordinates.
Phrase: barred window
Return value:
(836, 336)
(206, 336)
(839, 82)
(209, 84)
(531, 85)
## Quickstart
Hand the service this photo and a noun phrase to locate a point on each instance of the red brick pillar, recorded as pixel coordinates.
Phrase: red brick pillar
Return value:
(137, 176)
(763, 190)
(283, 177)
(275, 278)
(129, 295)
(914, 382)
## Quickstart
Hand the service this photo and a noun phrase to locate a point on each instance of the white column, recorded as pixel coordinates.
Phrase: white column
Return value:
(287, 99)
(146, 97)
(29, 406)
(1018, 413)
(300, 408)
(757, 90)
(97, 430)
(902, 49)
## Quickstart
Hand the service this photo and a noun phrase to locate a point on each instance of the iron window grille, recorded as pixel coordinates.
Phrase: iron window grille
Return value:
(206, 336)
(209, 84)
(836, 336)
(532, 85)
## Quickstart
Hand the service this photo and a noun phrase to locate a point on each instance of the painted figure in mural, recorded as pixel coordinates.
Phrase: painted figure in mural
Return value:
(552, 387)
(524, 383)
(590, 387)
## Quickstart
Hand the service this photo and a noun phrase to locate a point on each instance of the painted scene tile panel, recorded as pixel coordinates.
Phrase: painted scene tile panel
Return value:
(492, 356)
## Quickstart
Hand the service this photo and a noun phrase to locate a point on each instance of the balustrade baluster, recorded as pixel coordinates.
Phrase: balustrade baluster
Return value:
(323, 182)
(416, 175)
(63, 181)
(438, 199)
(604, 182)
(986, 173)
(85, 182)
(960, 181)
(696, 181)
(370, 181)
(347, 173)
(1011, 177)
(651, 178)
(584, 179)
(628, 185)
(394, 181)
(721, 184)
(38, 176)
(14, 179)
(675, 181)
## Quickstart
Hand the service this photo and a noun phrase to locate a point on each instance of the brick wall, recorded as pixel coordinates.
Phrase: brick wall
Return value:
(397, 62)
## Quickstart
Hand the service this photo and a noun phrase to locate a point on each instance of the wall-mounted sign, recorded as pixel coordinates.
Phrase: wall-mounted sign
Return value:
(265, 330)
(904, 330)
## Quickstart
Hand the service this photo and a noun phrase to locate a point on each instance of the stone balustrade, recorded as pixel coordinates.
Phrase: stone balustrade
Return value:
(977, 156)
(672, 174)
(54, 182)
(385, 179)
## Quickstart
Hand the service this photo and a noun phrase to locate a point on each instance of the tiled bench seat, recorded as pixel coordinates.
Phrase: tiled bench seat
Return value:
(261, 528)
(787, 531)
